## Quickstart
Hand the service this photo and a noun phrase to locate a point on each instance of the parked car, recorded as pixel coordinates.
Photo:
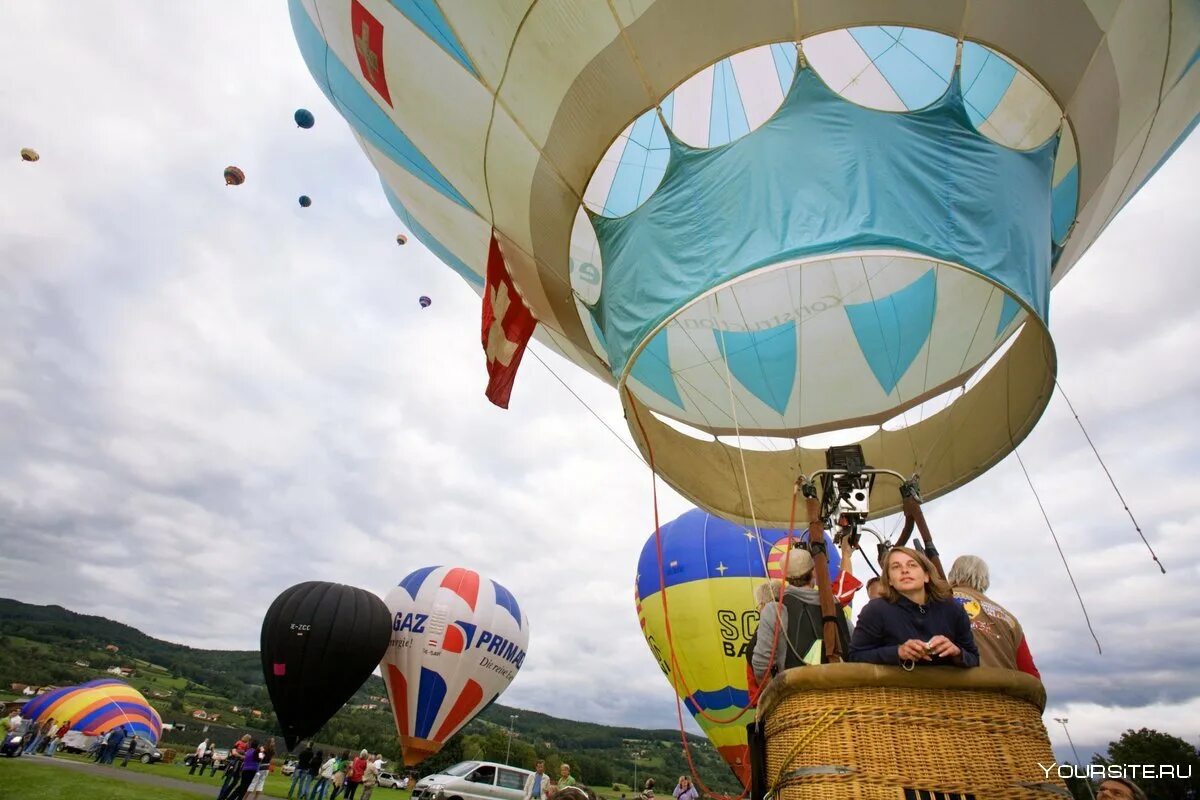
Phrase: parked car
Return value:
(388, 780)
(142, 751)
(12, 745)
(220, 755)
(289, 767)
(473, 780)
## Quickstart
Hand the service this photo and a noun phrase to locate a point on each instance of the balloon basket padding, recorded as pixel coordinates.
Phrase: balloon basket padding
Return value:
(868, 732)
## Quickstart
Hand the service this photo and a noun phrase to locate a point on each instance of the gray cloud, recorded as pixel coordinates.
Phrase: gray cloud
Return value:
(210, 394)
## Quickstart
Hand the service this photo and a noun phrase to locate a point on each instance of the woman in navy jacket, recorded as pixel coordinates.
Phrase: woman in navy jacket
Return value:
(916, 621)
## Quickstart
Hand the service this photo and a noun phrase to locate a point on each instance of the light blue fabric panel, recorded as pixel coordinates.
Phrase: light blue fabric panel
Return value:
(429, 240)
(824, 176)
(351, 99)
(653, 369)
(784, 55)
(985, 77)
(1063, 200)
(727, 118)
(1008, 312)
(917, 64)
(426, 15)
(643, 162)
(762, 361)
(892, 330)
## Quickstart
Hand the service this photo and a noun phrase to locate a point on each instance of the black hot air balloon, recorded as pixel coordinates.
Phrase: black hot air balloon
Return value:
(425, 301)
(304, 118)
(320, 642)
(234, 176)
(305, 201)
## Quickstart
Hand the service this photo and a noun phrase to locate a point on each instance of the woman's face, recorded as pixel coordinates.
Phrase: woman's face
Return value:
(905, 573)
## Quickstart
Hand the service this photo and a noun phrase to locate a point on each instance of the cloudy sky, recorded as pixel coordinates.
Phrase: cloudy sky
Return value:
(209, 394)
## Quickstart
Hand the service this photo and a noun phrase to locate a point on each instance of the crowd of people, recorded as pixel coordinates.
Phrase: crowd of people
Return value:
(314, 777)
(47, 736)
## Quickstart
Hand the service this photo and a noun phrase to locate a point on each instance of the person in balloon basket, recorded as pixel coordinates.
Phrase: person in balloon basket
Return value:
(998, 635)
(798, 620)
(301, 775)
(324, 776)
(537, 785)
(916, 622)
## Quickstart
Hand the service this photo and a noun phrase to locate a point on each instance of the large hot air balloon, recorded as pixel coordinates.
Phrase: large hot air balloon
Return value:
(234, 176)
(98, 706)
(29, 154)
(458, 640)
(305, 201)
(424, 301)
(304, 118)
(710, 568)
(817, 217)
(320, 643)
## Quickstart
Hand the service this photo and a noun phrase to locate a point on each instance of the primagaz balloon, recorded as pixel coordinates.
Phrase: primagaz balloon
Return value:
(320, 642)
(711, 567)
(817, 217)
(97, 707)
(458, 640)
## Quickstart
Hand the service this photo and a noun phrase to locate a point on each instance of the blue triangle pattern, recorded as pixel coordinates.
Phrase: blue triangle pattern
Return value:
(763, 361)
(892, 330)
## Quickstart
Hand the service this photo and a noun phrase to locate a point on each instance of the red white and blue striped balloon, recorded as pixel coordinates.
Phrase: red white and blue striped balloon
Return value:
(458, 640)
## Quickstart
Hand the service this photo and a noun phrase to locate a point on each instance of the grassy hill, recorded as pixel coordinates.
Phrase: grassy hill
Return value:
(42, 645)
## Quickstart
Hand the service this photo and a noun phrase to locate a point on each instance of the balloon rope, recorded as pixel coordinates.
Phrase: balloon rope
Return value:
(662, 591)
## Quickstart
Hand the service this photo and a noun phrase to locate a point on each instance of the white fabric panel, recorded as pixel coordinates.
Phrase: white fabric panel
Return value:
(601, 181)
(1067, 157)
(555, 43)
(692, 109)
(451, 129)
(465, 234)
(1104, 11)
(585, 250)
(1138, 43)
(1025, 117)
(629, 10)
(848, 70)
(485, 31)
(758, 84)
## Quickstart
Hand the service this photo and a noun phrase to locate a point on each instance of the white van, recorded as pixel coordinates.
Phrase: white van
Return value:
(473, 780)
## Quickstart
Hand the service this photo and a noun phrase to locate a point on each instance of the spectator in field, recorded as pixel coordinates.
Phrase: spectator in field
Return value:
(684, 789)
(233, 768)
(198, 758)
(116, 737)
(40, 735)
(99, 747)
(339, 774)
(301, 775)
(314, 771)
(648, 789)
(14, 722)
(129, 750)
(57, 739)
(564, 777)
(998, 635)
(537, 785)
(250, 761)
(259, 782)
(354, 775)
(324, 778)
(371, 777)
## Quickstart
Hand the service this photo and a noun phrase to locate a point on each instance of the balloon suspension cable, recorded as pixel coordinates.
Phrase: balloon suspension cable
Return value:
(1111, 480)
(583, 402)
(1061, 554)
(662, 591)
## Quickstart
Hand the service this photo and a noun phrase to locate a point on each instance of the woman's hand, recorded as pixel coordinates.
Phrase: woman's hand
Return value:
(913, 650)
(941, 646)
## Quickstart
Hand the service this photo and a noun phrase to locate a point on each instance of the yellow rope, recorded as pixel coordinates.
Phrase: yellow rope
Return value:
(816, 729)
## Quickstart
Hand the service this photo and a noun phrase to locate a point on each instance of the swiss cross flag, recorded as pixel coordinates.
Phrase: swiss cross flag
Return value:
(507, 326)
(368, 44)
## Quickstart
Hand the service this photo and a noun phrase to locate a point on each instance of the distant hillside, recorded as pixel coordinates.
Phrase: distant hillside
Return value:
(47, 644)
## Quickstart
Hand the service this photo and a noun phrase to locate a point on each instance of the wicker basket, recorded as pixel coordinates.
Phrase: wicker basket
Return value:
(865, 732)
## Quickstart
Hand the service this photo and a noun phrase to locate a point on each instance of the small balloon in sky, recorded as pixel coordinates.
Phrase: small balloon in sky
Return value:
(29, 154)
(305, 201)
(425, 301)
(304, 118)
(401, 239)
(234, 176)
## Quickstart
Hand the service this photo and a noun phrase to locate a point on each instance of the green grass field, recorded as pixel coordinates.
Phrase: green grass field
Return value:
(18, 778)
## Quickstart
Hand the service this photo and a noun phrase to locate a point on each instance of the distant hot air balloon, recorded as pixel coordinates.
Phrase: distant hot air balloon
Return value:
(29, 154)
(711, 567)
(234, 176)
(425, 301)
(305, 201)
(320, 642)
(304, 118)
(458, 641)
(96, 707)
(401, 239)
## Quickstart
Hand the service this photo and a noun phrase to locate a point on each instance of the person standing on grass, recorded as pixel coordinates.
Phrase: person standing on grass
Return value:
(259, 784)
(129, 751)
(371, 776)
(249, 769)
(59, 735)
(198, 758)
(324, 777)
(301, 775)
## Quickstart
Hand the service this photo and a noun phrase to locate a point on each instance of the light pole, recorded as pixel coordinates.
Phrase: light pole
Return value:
(508, 749)
(1063, 721)
(636, 754)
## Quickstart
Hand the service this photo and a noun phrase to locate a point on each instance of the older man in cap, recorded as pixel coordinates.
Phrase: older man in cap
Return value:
(798, 620)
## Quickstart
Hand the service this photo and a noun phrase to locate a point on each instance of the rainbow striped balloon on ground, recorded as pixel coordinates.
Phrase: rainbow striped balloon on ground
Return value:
(97, 707)
(458, 640)
(710, 568)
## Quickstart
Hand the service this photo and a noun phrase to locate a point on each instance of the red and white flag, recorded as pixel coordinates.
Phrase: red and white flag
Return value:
(368, 44)
(507, 326)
